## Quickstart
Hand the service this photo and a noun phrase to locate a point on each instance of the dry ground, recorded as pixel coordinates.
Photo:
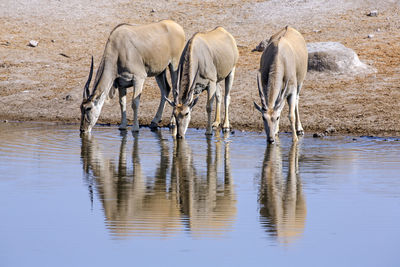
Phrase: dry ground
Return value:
(34, 82)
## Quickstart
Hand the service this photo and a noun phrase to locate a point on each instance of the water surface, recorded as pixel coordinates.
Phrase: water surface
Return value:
(149, 200)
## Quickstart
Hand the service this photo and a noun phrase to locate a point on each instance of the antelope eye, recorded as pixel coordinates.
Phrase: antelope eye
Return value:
(277, 118)
(187, 113)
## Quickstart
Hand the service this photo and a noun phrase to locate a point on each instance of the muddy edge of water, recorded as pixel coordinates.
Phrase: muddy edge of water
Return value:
(40, 84)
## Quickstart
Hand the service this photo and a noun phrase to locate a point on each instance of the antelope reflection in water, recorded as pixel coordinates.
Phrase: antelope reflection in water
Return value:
(207, 202)
(282, 205)
(177, 197)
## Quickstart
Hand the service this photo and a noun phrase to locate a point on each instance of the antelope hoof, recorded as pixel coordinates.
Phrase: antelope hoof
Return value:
(153, 125)
(300, 132)
(122, 127)
(226, 129)
(271, 141)
(215, 125)
(209, 132)
(135, 128)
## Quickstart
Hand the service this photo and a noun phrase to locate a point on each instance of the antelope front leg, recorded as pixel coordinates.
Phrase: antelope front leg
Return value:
(217, 120)
(292, 116)
(122, 103)
(210, 100)
(137, 92)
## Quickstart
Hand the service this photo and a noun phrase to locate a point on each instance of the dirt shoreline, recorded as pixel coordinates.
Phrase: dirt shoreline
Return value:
(45, 83)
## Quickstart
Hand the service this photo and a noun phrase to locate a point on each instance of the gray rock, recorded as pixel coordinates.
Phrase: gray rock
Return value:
(334, 57)
(33, 43)
(68, 97)
(370, 36)
(261, 46)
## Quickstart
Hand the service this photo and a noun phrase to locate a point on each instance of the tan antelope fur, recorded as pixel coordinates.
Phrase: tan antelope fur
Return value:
(131, 54)
(283, 67)
(208, 58)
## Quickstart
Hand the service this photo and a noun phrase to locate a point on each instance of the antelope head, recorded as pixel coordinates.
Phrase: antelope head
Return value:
(270, 115)
(89, 110)
(182, 114)
(182, 111)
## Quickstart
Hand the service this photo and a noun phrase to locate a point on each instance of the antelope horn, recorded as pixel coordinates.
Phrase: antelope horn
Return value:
(261, 92)
(191, 92)
(281, 96)
(175, 91)
(86, 91)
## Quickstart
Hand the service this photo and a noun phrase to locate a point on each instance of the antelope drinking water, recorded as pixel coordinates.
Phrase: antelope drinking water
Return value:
(208, 58)
(133, 53)
(283, 68)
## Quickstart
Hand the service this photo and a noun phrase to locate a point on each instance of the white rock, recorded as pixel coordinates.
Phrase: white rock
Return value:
(373, 13)
(33, 43)
(370, 36)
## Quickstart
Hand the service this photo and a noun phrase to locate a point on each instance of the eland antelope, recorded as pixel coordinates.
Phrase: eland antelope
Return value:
(207, 59)
(283, 68)
(131, 54)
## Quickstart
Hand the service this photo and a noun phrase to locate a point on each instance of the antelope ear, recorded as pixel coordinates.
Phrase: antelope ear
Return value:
(194, 102)
(258, 107)
(170, 102)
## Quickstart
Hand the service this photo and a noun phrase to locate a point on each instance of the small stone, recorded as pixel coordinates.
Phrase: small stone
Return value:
(378, 30)
(33, 43)
(316, 31)
(232, 132)
(373, 13)
(354, 139)
(370, 36)
(64, 55)
(68, 98)
(318, 135)
(153, 10)
(53, 41)
(5, 121)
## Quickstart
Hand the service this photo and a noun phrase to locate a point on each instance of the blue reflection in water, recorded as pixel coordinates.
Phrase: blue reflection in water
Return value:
(150, 200)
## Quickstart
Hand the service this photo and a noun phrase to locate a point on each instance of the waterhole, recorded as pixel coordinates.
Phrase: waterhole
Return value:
(145, 199)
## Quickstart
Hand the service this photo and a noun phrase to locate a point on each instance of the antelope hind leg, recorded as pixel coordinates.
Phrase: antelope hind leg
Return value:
(217, 120)
(137, 91)
(164, 89)
(292, 116)
(122, 103)
(299, 127)
(227, 100)
(210, 101)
